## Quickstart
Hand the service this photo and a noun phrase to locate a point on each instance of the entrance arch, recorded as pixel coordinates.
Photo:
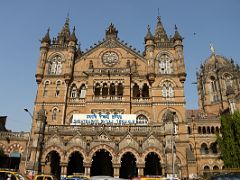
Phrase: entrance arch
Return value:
(14, 160)
(75, 163)
(152, 165)
(102, 164)
(53, 158)
(128, 166)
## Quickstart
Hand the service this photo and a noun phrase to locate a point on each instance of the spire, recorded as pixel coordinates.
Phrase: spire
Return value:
(73, 36)
(63, 36)
(46, 38)
(149, 35)
(177, 36)
(160, 33)
(111, 32)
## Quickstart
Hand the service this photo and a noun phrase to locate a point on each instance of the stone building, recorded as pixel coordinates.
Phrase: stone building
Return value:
(113, 111)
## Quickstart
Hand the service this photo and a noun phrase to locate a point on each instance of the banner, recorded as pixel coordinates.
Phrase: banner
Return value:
(95, 119)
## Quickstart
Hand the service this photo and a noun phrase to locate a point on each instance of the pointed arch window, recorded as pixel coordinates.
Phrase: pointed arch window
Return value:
(45, 89)
(55, 65)
(54, 114)
(105, 90)
(142, 119)
(82, 91)
(145, 91)
(112, 89)
(97, 89)
(167, 90)
(120, 89)
(57, 88)
(73, 91)
(214, 89)
(228, 80)
(136, 91)
(165, 64)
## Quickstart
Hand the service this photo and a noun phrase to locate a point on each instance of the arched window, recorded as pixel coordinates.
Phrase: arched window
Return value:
(208, 130)
(73, 91)
(204, 148)
(57, 88)
(145, 91)
(82, 91)
(189, 130)
(105, 90)
(142, 119)
(120, 89)
(204, 130)
(112, 89)
(213, 84)
(167, 89)
(136, 91)
(165, 64)
(212, 130)
(213, 148)
(199, 130)
(214, 89)
(228, 80)
(55, 65)
(217, 130)
(97, 89)
(54, 114)
(45, 89)
(215, 167)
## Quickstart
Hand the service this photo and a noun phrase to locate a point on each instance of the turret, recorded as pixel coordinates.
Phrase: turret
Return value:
(45, 43)
(63, 36)
(149, 55)
(178, 46)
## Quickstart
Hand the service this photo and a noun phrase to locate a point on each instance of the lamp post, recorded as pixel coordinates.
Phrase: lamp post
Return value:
(29, 139)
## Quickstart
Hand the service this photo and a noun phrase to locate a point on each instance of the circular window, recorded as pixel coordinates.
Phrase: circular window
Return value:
(110, 58)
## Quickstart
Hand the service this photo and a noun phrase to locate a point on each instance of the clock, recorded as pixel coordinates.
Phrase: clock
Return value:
(110, 58)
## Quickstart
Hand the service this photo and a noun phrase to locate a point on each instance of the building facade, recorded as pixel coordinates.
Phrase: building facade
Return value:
(113, 111)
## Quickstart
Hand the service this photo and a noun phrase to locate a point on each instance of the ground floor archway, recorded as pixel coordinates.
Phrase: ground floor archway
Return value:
(102, 164)
(75, 163)
(128, 167)
(152, 164)
(53, 158)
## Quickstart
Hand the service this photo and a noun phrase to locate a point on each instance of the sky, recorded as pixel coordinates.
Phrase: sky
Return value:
(25, 22)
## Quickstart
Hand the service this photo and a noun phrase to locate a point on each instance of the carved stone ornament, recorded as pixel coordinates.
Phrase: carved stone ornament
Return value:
(110, 58)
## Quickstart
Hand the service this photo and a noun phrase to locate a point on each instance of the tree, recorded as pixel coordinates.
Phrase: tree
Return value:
(229, 140)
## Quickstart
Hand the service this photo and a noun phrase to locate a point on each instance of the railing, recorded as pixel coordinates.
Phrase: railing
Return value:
(140, 99)
(77, 100)
(107, 98)
(88, 129)
(21, 135)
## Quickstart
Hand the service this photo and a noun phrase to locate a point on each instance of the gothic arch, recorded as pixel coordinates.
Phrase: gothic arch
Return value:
(69, 116)
(47, 81)
(131, 150)
(99, 147)
(54, 148)
(154, 150)
(145, 113)
(78, 149)
(164, 52)
(3, 147)
(59, 81)
(167, 79)
(14, 147)
(178, 114)
(55, 54)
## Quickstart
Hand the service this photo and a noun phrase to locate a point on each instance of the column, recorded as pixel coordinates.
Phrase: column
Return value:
(63, 169)
(140, 169)
(87, 167)
(116, 170)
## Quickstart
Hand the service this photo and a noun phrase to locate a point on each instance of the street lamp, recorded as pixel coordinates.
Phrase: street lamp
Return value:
(29, 139)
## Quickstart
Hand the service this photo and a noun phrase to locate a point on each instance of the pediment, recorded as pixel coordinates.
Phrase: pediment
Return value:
(128, 141)
(77, 140)
(103, 137)
(54, 140)
(151, 141)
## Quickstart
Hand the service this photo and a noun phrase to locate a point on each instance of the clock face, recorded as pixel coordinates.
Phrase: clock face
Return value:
(110, 58)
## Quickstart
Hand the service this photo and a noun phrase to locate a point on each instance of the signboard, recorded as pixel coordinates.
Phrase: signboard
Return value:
(95, 119)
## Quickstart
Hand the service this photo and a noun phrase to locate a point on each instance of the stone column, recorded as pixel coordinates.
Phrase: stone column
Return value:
(140, 169)
(87, 168)
(116, 170)
(63, 169)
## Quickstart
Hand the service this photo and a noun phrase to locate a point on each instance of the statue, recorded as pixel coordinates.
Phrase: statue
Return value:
(212, 48)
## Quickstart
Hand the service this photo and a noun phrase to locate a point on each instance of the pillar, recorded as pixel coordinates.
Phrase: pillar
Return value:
(87, 167)
(63, 169)
(140, 169)
(116, 170)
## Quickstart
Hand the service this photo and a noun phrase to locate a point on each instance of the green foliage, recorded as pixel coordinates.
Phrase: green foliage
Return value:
(229, 141)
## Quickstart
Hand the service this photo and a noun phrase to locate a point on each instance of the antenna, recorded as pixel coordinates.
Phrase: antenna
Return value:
(158, 12)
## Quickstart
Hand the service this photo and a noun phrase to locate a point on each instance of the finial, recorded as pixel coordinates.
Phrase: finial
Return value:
(212, 48)
(158, 12)
(148, 27)
(176, 27)
(159, 18)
